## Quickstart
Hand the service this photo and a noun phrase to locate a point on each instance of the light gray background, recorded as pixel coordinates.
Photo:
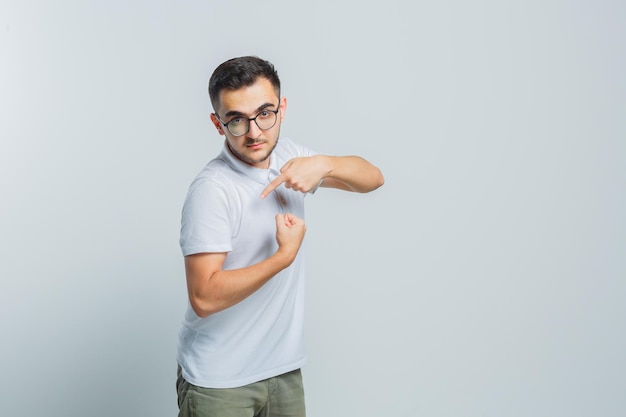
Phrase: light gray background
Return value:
(486, 278)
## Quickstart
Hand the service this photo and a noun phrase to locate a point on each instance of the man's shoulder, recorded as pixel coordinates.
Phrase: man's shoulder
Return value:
(214, 173)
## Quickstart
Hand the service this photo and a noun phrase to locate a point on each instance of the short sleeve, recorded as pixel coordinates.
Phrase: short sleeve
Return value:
(205, 222)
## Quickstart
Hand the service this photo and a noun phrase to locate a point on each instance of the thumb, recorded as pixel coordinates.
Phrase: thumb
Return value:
(283, 219)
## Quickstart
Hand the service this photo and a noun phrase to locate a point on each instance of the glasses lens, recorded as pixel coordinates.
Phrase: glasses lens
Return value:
(266, 119)
(238, 126)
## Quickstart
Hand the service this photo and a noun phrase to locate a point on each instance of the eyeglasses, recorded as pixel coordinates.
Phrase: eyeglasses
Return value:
(239, 126)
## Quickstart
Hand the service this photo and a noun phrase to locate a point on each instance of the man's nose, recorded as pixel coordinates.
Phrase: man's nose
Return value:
(254, 131)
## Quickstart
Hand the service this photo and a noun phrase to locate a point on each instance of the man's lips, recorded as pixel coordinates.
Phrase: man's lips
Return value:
(256, 145)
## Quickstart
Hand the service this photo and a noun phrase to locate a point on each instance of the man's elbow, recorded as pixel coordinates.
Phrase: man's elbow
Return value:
(376, 181)
(380, 180)
(202, 308)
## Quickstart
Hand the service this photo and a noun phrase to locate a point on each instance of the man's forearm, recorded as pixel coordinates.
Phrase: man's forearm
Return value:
(354, 172)
(225, 288)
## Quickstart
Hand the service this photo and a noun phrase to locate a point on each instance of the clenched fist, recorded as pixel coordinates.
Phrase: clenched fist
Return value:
(290, 232)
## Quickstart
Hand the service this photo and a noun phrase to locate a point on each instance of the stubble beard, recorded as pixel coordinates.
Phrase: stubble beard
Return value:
(254, 161)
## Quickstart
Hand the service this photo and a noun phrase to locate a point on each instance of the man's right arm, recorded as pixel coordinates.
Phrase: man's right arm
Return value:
(212, 289)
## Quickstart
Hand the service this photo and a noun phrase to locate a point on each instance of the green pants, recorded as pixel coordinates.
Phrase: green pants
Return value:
(280, 396)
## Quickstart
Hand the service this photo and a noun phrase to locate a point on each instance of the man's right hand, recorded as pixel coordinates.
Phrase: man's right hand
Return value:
(290, 232)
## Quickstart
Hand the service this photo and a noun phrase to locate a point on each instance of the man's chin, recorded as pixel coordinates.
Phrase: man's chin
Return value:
(254, 158)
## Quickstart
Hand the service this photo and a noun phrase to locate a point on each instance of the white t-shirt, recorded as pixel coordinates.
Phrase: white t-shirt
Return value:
(263, 335)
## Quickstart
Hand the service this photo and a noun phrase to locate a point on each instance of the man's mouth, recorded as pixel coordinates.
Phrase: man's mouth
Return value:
(256, 144)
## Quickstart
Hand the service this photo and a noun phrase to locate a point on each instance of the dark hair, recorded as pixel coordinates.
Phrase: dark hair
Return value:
(241, 72)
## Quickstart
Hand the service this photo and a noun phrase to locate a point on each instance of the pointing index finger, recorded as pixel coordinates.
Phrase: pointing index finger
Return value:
(272, 185)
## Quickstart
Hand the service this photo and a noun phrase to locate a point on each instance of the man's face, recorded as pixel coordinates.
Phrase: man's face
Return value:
(255, 146)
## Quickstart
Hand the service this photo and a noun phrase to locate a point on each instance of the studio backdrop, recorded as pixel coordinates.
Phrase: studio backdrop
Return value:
(485, 278)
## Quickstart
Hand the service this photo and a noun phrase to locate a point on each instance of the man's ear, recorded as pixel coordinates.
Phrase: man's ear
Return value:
(217, 124)
(282, 104)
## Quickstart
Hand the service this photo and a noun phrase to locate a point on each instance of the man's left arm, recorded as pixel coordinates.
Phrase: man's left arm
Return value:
(350, 173)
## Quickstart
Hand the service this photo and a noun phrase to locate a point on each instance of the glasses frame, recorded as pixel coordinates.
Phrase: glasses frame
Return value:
(250, 119)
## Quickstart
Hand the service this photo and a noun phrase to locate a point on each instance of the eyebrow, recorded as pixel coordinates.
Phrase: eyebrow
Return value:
(258, 110)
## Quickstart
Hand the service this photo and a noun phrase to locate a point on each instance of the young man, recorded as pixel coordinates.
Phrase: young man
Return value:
(241, 343)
